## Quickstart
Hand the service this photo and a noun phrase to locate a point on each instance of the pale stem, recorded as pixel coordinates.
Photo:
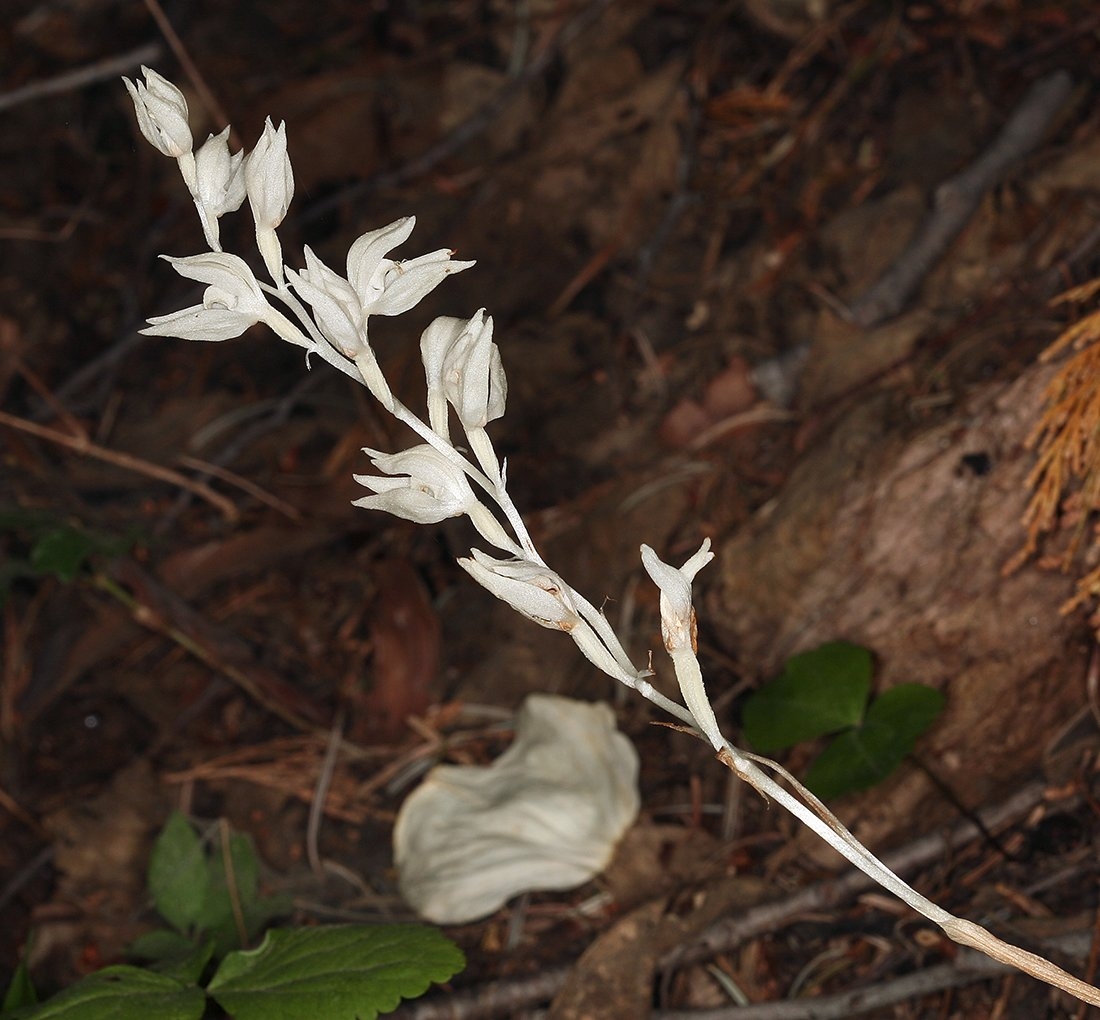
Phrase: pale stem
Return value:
(958, 929)
(603, 628)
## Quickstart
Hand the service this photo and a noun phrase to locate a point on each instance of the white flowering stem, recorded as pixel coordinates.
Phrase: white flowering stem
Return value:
(431, 482)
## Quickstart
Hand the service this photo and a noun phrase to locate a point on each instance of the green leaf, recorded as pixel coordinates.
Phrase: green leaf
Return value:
(216, 914)
(908, 709)
(819, 692)
(62, 552)
(178, 874)
(864, 757)
(160, 944)
(345, 972)
(173, 954)
(21, 990)
(122, 993)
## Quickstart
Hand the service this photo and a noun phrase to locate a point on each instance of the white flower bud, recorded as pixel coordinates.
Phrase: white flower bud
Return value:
(335, 305)
(528, 587)
(432, 490)
(268, 177)
(220, 185)
(473, 376)
(161, 113)
(269, 182)
(440, 336)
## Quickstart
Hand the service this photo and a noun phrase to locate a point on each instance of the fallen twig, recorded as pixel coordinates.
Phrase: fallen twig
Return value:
(81, 444)
(156, 607)
(968, 967)
(102, 70)
(957, 198)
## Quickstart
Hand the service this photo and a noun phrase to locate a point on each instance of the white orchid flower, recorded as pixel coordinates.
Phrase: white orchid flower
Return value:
(419, 485)
(231, 303)
(386, 287)
(528, 587)
(220, 186)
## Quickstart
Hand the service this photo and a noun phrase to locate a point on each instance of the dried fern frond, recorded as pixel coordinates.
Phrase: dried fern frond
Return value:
(1067, 437)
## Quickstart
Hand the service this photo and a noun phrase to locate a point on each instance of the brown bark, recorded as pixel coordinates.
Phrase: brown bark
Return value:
(895, 537)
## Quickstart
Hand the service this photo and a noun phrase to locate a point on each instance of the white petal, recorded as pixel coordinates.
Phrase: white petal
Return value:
(200, 323)
(407, 283)
(367, 252)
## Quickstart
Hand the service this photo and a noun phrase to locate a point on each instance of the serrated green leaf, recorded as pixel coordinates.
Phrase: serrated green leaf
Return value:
(122, 993)
(819, 692)
(345, 972)
(864, 757)
(178, 873)
(62, 552)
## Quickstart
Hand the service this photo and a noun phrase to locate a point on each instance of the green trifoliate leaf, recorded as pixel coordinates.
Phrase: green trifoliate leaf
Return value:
(867, 755)
(819, 692)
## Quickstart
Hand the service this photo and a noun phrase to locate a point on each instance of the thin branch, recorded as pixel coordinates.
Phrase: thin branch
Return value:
(83, 445)
(968, 967)
(320, 795)
(70, 81)
(957, 199)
